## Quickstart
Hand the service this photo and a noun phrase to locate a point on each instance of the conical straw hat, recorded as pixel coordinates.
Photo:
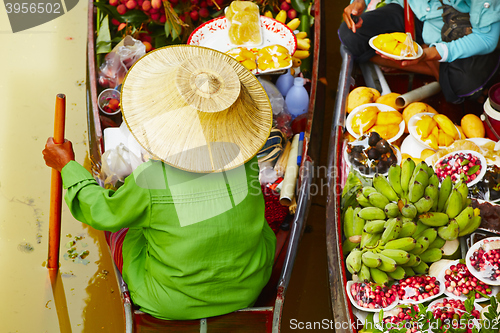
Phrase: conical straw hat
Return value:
(195, 108)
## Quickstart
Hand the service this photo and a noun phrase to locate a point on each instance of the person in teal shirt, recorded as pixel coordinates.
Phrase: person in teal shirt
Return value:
(195, 245)
(463, 66)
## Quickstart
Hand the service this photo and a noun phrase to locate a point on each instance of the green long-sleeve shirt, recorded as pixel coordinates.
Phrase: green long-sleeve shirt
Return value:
(198, 245)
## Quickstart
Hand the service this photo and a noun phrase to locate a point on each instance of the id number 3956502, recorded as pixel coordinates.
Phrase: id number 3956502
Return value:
(39, 8)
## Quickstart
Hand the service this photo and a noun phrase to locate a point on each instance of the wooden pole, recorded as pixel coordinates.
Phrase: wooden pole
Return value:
(56, 188)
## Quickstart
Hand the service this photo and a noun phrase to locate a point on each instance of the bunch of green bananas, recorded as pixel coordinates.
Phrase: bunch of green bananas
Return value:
(401, 222)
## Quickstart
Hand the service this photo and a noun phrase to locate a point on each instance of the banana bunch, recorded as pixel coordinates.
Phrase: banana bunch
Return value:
(398, 226)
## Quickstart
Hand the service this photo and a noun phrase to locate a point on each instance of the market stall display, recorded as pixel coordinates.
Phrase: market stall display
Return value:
(420, 225)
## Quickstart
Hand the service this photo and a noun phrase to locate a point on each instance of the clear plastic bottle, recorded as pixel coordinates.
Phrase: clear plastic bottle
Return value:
(285, 82)
(297, 98)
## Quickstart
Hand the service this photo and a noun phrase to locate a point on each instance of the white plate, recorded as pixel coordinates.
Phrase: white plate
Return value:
(481, 158)
(420, 51)
(462, 297)
(371, 175)
(474, 272)
(412, 147)
(214, 34)
(441, 291)
(382, 108)
(353, 302)
(412, 128)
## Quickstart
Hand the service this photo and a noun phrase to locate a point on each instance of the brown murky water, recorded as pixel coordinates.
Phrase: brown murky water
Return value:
(84, 297)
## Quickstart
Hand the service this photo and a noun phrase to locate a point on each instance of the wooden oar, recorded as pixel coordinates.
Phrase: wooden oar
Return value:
(56, 188)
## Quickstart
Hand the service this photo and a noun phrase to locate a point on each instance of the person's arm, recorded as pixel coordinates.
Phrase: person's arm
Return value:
(104, 209)
(90, 203)
(356, 8)
(473, 44)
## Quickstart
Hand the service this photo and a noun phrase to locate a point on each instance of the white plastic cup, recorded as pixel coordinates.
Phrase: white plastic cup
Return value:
(104, 98)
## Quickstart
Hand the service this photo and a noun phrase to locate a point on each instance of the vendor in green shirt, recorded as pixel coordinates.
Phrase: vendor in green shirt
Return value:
(196, 243)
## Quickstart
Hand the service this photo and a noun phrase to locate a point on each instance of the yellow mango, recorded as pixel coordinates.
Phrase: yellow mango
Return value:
(389, 117)
(448, 140)
(389, 99)
(414, 108)
(425, 126)
(426, 153)
(435, 131)
(472, 126)
(399, 36)
(446, 125)
(405, 156)
(364, 119)
(444, 140)
(462, 134)
(441, 139)
(432, 141)
(398, 50)
(360, 96)
(385, 131)
(249, 64)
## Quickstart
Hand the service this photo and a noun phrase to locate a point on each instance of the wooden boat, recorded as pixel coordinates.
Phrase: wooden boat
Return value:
(351, 319)
(265, 315)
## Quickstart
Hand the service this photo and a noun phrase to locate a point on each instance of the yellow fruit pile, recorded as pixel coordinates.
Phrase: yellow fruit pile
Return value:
(371, 119)
(394, 43)
(245, 56)
(244, 23)
(268, 58)
(437, 131)
(273, 57)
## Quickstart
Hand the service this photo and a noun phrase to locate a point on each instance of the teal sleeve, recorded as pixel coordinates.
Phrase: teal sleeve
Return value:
(476, 43)
(101, 208)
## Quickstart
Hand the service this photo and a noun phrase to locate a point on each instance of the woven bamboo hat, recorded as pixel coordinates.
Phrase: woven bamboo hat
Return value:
(195, 108)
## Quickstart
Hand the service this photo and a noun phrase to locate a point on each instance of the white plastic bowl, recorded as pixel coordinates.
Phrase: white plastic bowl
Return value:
(481, 158)
(382, 108)
(353, 302)
(412, 147)
(474, 272)
(371, 175)
(462, 297)
(409, 301)
(412, 128)
(420, 51)
(104, 97)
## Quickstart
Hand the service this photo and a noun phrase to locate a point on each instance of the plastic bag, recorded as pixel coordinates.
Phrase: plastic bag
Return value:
(408, 49)
(116, 63)
(275, 97)
(117, 164)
